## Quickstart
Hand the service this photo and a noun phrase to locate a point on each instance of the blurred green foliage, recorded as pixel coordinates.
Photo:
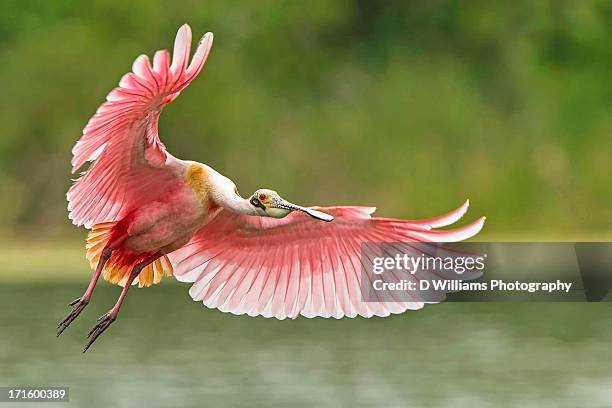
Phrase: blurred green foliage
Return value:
(408, 105)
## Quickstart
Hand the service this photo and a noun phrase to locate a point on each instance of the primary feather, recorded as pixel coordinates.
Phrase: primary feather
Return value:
(298, 265)
(130, 163)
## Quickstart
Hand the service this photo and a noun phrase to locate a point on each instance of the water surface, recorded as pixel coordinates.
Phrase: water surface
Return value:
(166, 350)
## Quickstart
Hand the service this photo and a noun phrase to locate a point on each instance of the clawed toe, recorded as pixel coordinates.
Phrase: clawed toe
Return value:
(78, 306)
(102, 324)
(74, 302)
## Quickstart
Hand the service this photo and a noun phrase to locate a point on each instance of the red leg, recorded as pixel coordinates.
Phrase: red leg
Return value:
(109, 317)
(80, 303)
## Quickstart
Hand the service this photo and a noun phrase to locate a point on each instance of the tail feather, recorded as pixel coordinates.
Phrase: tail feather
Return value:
(119, 266)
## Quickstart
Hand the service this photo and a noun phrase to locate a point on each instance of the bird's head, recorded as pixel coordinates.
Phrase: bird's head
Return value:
(269, 204)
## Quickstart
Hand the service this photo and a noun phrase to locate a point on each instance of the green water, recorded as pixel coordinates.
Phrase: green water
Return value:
(166, 350)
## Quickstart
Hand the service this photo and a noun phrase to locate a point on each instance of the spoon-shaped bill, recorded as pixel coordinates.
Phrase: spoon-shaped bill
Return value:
(317, 214)
(313, 213)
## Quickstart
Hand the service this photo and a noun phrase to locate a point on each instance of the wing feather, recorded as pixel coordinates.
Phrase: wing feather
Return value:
(301, 266)
(130, 163)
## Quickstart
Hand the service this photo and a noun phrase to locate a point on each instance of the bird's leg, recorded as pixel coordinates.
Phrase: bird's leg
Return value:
(80, 303)
(109, 317)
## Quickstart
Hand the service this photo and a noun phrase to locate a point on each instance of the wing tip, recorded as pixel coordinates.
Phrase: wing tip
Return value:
(462, 210)
(445, 219)
(477, 226)
(185, 28)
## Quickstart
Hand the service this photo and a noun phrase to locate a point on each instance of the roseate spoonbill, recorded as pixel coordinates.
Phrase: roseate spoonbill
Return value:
(151, 214)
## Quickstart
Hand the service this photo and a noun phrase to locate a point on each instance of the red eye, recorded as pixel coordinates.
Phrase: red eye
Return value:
(262, 196)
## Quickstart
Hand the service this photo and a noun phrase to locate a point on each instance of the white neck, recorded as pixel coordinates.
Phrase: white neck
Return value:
(224, 193)
(237, 204)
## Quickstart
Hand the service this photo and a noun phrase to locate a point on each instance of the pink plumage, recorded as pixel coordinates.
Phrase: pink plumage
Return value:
(152, 214)
(122, 138)
(298, 265)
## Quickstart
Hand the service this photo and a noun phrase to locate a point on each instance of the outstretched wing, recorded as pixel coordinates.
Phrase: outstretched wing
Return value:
(130, 163)
(298, 265)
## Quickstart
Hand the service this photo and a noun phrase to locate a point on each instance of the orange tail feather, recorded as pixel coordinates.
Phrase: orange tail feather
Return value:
(118, 267)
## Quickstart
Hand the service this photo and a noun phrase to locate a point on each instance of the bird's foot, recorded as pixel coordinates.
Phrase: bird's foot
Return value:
(78, 306)
(103, 322)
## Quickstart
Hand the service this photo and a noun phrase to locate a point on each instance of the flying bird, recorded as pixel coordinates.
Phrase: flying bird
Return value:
(150, 215)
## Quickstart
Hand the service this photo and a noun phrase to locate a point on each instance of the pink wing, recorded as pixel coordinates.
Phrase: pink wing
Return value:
(131, 164)
(298, 265)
